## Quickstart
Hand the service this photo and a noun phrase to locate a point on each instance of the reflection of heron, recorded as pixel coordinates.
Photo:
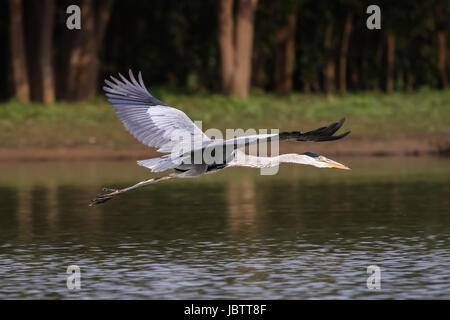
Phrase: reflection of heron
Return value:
(191, 152)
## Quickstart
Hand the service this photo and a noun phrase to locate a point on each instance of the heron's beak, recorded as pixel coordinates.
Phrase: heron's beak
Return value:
(334, 164)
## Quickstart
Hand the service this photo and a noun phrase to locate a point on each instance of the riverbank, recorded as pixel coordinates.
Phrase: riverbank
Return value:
(382, 125)
(428, 145)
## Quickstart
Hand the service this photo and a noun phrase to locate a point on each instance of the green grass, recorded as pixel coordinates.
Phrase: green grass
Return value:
(421, 112)
(369, 115)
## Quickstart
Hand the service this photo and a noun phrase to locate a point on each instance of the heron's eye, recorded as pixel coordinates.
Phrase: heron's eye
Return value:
(321, 158)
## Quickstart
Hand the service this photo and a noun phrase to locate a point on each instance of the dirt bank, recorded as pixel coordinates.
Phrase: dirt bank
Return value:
(408, 146)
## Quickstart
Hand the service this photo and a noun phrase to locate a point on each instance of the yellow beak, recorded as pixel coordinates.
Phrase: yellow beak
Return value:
(334, 164)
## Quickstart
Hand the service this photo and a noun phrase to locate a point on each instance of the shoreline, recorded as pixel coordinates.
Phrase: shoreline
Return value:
(347, 148)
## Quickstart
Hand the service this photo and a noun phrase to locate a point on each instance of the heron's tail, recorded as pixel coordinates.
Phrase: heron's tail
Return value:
(159, 164)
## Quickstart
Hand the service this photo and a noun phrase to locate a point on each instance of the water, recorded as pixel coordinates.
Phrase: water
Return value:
(305, 233)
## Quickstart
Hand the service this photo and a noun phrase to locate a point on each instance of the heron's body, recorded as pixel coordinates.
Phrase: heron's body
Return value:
(156, 124)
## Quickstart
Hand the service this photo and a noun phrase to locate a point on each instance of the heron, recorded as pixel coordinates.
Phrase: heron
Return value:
(159, 125)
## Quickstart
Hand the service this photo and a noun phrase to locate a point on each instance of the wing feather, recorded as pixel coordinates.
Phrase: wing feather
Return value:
(150, 120)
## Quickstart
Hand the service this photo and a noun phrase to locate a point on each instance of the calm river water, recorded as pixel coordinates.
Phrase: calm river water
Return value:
(305, 233)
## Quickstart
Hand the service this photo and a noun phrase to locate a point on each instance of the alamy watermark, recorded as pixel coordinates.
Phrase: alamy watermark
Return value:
(74, 20)
(374, 280)
(74, 278)
(374, 20)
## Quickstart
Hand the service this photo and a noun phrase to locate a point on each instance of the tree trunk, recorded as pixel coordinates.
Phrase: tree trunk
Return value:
(344, 54)
(32, 15)
(379, 62)
(101, 22)
(72, 68)
(315, 85)
(46, 52)
(442, 57)
(18, 55)
(330, 69)
(243, 48)
(74, 52)
(236, 44)
(285, 56)
(306, 87)
(259, 75)
(88, 58)
(354, 78)
(400, 79)
(410, 78)
(390, 58)
(226, 43)
(83, 64)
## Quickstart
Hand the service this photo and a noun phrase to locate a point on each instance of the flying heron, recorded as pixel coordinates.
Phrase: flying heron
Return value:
(156, 124)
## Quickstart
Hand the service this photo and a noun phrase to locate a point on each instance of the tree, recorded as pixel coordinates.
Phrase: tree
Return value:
(285, 51)
(442, 58)
(396, 28)
(18, 54)
(330, 68)
(344, 54)
(441, 17)
(310, 56)
(236, 44)
(83, 64)
(226, 43)
(46, 52)
(390, 60)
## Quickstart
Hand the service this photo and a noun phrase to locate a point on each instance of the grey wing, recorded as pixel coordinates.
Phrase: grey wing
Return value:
(150, 120)
(320, 134)
(240, 142)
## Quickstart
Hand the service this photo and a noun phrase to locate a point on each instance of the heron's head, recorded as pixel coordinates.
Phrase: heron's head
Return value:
(320, 161)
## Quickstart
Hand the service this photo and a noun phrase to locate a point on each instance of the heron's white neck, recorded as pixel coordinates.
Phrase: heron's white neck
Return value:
(244, 160)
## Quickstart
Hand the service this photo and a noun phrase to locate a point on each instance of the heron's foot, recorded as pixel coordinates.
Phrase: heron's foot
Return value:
(103, 197)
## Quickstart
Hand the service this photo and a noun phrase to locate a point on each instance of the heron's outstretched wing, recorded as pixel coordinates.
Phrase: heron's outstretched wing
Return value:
(320, 134)
(243, 141)
(150, 120)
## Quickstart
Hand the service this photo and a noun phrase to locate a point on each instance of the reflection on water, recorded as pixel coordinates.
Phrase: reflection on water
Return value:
(304, 233)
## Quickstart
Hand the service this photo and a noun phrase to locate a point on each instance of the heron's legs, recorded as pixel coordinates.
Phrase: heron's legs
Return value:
(111, 193)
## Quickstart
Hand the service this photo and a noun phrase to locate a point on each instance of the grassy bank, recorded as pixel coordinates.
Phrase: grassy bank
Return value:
(372, 117)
